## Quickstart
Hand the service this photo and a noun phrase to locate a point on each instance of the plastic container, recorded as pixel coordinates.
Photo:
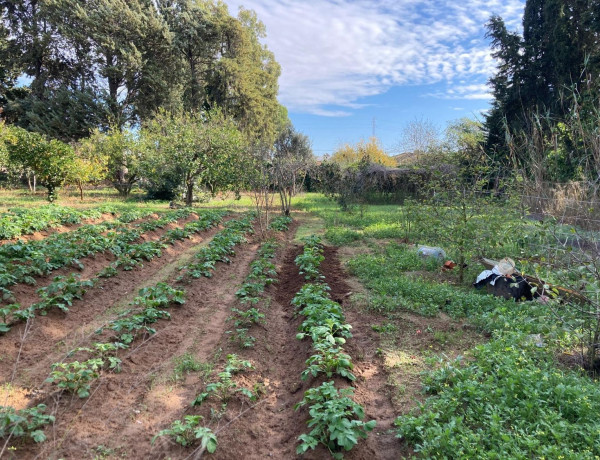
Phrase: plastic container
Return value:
(429, 251)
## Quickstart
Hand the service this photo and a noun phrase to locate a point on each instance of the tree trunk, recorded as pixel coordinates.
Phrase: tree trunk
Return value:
(189, 194)
(51, 192)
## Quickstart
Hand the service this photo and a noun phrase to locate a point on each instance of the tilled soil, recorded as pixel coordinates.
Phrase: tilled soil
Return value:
(127, 409)
(271, 429)
(46, 339)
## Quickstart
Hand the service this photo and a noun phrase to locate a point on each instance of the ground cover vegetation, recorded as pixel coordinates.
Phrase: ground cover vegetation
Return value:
(510, 397)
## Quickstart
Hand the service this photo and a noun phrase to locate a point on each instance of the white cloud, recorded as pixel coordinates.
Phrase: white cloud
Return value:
(461, 91)
(335, 52)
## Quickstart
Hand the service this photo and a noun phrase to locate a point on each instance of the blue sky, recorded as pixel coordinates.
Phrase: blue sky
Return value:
(347, 62)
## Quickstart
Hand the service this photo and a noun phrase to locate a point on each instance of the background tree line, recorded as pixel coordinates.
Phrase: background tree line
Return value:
(545, 115)
(541, 133)
(172, 95)
(113, 63)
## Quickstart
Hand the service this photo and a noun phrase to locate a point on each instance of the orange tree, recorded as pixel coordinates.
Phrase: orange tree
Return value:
(52, 161)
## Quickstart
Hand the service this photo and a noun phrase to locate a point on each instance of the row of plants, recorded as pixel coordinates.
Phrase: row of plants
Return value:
(78, 376)
(135, 323)
(262, 274)
(21, 262)
(221, 247)
(23, 221)
(135, 254)
(61, 292)
(336, 421)
(191, 428)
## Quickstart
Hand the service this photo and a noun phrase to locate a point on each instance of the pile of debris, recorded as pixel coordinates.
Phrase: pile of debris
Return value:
(504, 280)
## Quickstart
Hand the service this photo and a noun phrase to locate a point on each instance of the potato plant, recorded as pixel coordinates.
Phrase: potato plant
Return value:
(262, 273)
(24, 423)
(220, 249)
(188, 430)
(336, 420)
(76, 377)
(23, 221)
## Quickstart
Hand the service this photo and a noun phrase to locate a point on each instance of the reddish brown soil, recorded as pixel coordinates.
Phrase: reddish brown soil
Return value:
(127, 409)
(27, 345)
(271, 429)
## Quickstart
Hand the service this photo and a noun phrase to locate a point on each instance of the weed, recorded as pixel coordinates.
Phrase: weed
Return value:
(186, 364)
(188, 430)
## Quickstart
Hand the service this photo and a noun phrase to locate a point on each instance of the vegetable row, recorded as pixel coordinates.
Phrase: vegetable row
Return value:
(336, 420)
(20, 262)
(61, 292)
(190, 429)
(22, 221)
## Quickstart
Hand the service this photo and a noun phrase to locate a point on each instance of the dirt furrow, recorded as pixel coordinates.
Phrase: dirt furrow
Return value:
(47, 339)
(126, 410)
(270, 429)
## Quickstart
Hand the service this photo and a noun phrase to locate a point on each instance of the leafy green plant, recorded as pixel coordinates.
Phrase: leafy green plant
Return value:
(106, 352)
(309, 262)
(132, 324)
(24, 422)
(185, 432)
(220, 249)
(335, 419)
(108, 272)
(248, 317)
(241, 336)
(490, 407)
(5, 312)
(75, 377)
(280, 223)
(186, 364)
(329, 360)
(225, 387)
(159, 295)
(61, 292)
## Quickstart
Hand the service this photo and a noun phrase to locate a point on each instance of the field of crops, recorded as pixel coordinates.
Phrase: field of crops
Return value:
(188, 333)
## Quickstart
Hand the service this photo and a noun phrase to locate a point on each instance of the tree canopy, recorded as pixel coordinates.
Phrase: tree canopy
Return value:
(371, 150)
(92, 64)
(545, 76)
